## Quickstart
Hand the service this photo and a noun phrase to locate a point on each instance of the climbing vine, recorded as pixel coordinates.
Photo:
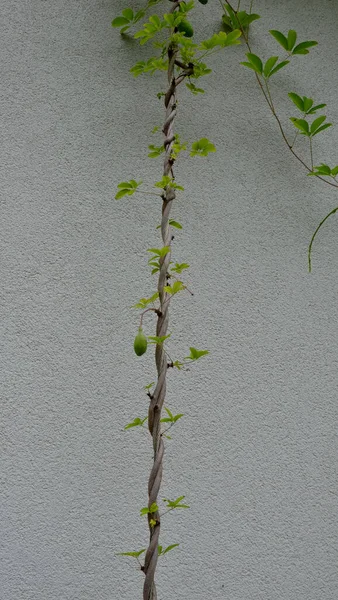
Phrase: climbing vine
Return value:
(181, 60)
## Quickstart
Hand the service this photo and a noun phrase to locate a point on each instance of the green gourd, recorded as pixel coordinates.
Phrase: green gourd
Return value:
(185, 28)
(140, 343)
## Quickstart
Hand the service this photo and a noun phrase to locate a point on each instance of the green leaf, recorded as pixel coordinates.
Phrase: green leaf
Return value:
(302, 125)
(155, 151)
(292, 37)
(315, 108)
(175, 224)
(178, 364)
(279, 66)
(122, 193)
(150, 385)
(158, 340)
(322, 128)
(302, 48)
(256, 62)
(175, 288)
(316, 124)
(308, 102)
(195, 90)
(167, 181)
(146, 510)
(202, 147)
(119, 22)
(249, 19)
(172, 545)
(127, 188)
(195, 354)
(270, 63)
(136, 423)
(169, 413)
(221, 39)
(297, 100)
(143, 302)
(179, 416)
(179, 267)
(133, 554)
(334, 171)
(128, 13)
(280, 38)
(322, 169)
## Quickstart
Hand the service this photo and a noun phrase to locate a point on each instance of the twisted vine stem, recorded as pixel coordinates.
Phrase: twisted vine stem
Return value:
(158, 397)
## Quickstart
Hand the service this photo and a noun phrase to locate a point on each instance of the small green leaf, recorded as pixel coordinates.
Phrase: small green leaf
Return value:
(292, 37)
(322, 128)
(315, 108)
(159, 251)
(119, 22)
(302, 48)
(175, 224)
(178, 364)
(195, 90)
(158, 339)
(149, 510)
(179, 416)
(322, 169)
(316, 124)
(308, 102)
(150, 385)
(179, 267)
(302, 125)
(195, 354)
(136, 423)
(128, 13)
(297, 100)
(270, 63)
(133, 554)
(172, 546)
(175, 288)
(280, 38)
(155, 151)
(122, 193)
(169, 413)
(279, 66)
(256, 62)
(202, 147)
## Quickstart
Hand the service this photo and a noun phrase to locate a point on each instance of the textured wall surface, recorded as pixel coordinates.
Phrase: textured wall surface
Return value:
(256, 453)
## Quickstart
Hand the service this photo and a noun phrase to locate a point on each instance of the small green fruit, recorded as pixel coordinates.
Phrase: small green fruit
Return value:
(185, 28)
(140, 343)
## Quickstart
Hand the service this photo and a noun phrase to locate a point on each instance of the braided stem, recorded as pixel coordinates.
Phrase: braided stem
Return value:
(157, 400)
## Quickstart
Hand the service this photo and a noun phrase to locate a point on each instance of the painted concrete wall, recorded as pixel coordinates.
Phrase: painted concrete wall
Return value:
(256, 454)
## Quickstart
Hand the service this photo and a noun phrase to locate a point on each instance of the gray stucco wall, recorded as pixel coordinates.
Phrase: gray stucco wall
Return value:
(256, 453)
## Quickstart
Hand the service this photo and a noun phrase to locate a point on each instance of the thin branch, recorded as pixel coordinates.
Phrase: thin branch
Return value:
(332, 212)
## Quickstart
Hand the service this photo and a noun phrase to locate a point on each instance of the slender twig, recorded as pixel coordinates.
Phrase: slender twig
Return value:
(311, 153)
(332, 212)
